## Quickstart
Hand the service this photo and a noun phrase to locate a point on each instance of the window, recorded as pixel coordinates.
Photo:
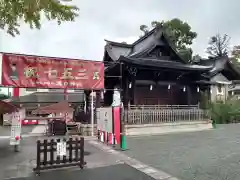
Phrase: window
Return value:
(219, 89)
(31, 89)
(159, 54)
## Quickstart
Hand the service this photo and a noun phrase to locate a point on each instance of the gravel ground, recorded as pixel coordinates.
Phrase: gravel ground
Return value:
(206, 155)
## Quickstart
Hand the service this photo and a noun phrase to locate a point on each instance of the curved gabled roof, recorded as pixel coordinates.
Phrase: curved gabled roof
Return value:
(165, 64)
(140, 47)
(222, 65)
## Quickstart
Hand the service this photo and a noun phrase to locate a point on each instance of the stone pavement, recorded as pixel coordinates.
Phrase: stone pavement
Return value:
(207, 155)
(21, 164)
(100, 165)
(145, 168)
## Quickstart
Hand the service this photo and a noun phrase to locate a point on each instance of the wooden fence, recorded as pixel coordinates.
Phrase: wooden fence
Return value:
(57, 153)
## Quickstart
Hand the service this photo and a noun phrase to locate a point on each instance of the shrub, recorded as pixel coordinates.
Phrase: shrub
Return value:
(225, 112)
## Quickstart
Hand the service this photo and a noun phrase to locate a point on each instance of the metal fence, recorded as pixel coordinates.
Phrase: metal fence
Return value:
(164, 114)
(162, 106)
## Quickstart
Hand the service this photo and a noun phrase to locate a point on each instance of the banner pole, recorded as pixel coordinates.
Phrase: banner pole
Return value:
(92, 116)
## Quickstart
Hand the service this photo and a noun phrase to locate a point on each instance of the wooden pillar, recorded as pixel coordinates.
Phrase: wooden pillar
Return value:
(189, 95)
(87, 100)
(98, 99)
(87, 105)
(132, 93)
(108, 95)
(125, 92)
(170, 94)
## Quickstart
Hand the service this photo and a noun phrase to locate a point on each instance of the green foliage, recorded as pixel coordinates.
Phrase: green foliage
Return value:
(218, 45)
(144, 29)
(236, 55)
(31, 11)
(204, 100)
(225, 112)
(179, 34)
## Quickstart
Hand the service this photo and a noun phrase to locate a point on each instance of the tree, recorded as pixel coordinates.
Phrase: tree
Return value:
(196, 58)
(179, 34)
(31, 11)
(236, 55)
(218, 46)
(144, 29)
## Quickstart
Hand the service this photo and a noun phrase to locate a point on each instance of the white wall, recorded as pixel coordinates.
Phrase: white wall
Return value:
(6, 91)
(215, 94)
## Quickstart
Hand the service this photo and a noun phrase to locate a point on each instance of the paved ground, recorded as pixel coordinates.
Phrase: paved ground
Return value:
(100, 165)
(206, 155)
(116, 172)
(6, 130)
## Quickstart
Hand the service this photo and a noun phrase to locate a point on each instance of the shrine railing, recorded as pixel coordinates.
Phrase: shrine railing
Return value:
(162, 106)
(164, 115)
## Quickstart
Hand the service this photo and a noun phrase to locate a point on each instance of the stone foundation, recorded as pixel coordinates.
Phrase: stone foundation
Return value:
(165, 128)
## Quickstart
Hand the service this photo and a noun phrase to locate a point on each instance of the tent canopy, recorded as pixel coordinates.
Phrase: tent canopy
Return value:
(61, 107)
(6, 107)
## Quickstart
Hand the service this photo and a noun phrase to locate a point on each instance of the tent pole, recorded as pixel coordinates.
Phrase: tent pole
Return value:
(92, 116)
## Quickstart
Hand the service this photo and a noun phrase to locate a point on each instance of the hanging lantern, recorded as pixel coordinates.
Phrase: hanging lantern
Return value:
(232, 93)
(198, 89)
(184, 89)
(211, 91)
(151, 87)
(130, 85)
(169, 86)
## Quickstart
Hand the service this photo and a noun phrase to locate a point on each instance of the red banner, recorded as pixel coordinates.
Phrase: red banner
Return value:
(44, 72)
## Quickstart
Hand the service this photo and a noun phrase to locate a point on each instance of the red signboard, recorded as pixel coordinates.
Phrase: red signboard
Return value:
(44, 72)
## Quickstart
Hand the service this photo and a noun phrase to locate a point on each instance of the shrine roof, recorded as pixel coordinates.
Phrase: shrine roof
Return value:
(60, 107)
(156, 37)
(222, 65)
(164, 64)
(7, 107)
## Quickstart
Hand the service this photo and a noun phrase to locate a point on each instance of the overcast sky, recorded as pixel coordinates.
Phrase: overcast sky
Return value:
(120, 21)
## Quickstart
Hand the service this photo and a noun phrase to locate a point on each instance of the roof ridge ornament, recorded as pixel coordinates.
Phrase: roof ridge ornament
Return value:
(132, 70)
